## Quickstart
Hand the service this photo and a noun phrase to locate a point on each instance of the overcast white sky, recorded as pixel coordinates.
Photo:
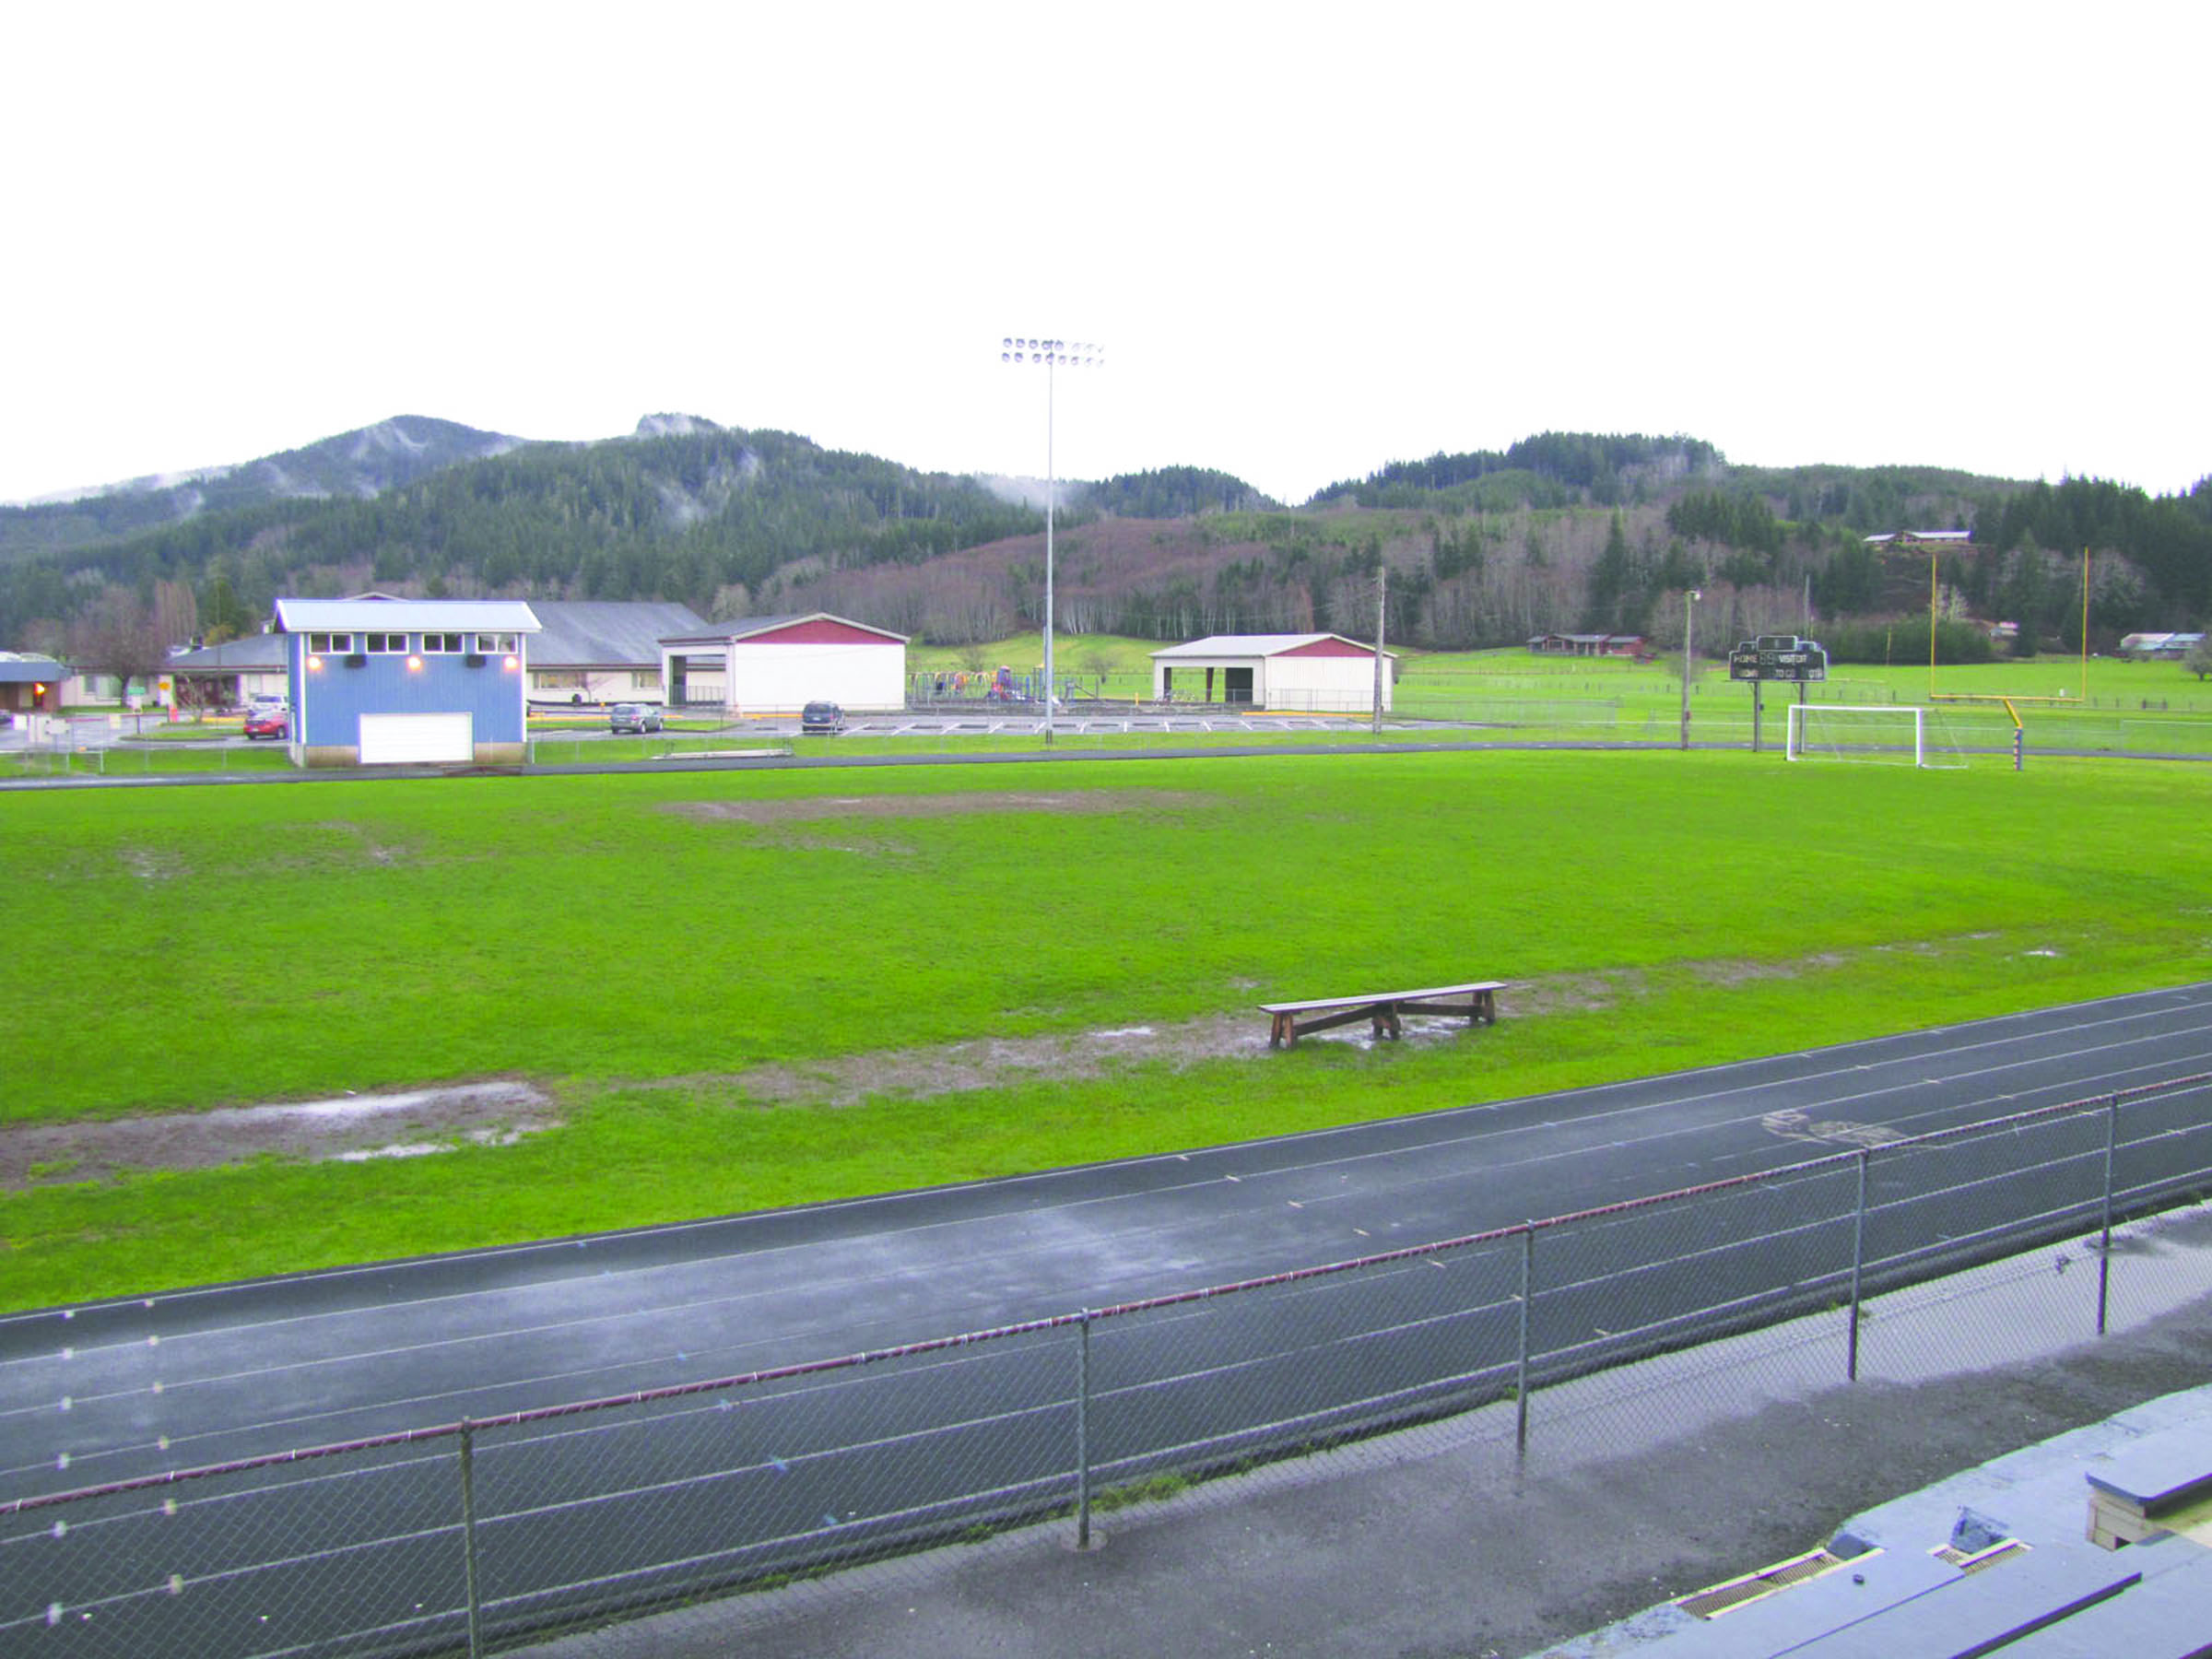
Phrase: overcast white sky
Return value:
(1314, 241)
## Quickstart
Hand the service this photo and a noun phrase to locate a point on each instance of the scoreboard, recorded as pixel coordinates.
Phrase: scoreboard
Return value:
(1778, 657)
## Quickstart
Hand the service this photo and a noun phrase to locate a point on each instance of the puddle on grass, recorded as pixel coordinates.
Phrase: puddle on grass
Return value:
(354, 1127)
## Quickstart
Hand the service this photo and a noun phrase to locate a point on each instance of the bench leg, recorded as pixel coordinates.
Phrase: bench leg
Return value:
(1282, 1031)
(1385, 1020)
(1485, 1009)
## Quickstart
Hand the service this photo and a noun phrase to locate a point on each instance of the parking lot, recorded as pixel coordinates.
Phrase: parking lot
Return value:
(1019, 723)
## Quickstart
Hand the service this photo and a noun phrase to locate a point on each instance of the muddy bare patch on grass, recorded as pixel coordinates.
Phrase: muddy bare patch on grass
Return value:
(1569, 992)
(991, 1063)
(433, 1120)
(813, 808)
(352, 1127)
(372, 851)
(150, 865)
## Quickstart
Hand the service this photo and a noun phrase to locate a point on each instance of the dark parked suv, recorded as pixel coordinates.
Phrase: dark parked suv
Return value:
(634, 717)
(819, 719)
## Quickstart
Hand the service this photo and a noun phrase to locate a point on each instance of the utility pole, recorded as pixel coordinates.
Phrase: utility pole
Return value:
(1690, 603)
(1381, 613)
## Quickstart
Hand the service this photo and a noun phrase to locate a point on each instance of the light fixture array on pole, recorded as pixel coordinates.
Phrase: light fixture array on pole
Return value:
(1054, 356)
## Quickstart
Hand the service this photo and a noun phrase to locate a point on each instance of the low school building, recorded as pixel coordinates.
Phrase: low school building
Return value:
(1312, 674)
(392, 682)
(606, 651)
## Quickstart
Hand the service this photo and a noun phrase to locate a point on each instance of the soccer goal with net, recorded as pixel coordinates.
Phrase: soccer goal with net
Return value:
(1893, 734)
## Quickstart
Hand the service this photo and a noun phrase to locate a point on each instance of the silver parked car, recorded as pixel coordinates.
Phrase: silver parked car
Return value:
(634, 717)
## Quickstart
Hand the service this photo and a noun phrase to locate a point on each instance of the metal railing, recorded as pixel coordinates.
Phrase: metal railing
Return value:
(482, 1534)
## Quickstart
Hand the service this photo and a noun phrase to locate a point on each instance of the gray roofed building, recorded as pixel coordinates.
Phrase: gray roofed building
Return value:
(22, 677)
(255, 651)
(603, 651)
(224, 675)
(16, 669)
(606, 634)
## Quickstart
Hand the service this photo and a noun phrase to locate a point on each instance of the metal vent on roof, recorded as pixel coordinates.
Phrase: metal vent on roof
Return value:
(1755, 1587)
(2004, 1549)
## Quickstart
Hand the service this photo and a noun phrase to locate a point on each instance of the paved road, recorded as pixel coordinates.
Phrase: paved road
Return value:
(103, 1393)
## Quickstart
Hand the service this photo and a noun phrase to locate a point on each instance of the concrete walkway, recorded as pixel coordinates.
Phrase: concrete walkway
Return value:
(1640, 1486)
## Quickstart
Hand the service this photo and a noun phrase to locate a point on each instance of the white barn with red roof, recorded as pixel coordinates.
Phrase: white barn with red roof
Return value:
(778, 665)
(1309, 672)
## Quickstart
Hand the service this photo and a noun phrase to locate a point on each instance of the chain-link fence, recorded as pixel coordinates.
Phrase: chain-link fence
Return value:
(1890, 1259)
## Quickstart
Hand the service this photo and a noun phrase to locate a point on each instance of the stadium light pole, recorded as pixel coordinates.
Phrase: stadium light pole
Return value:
(1054, 354)
(1689, 601)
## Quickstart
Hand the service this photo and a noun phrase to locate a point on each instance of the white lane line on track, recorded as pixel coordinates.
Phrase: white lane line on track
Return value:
(660, 1310)
(2196, 999)
(1489, 1134)
(459, 1391)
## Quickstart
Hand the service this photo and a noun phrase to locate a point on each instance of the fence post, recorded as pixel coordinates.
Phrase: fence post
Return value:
(1858, 1259)
(1528, 1285)
(1083, 1431)
(468, 1533)
(2104, 1242)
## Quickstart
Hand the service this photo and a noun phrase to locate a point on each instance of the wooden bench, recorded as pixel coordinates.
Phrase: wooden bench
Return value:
(1477, 1000)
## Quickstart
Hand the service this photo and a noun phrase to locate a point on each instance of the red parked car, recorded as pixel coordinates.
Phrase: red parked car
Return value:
(269, 722)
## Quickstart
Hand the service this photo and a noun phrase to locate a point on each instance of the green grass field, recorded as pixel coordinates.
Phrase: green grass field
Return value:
(643, 945)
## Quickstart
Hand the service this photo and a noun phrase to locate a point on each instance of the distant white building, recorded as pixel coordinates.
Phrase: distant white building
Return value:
(2169, 646)
(1914, 538)
(1311, 673)
(778, 665)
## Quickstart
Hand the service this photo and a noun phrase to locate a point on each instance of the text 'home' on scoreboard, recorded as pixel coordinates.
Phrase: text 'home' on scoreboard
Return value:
(1778, 657)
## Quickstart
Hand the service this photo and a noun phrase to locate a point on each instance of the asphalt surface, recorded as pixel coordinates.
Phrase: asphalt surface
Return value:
(104, 1392)
(1421, 1550)
(204, 1375)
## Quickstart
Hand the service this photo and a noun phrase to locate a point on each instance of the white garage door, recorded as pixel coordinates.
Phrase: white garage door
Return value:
(413, 739)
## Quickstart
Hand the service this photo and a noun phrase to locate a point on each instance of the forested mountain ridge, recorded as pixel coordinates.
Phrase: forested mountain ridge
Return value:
(1560, 531)
(362, 462)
